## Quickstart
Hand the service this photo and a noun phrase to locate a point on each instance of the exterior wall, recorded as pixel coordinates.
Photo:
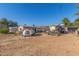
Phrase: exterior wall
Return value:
(42, 28)
(13, 29)
(52, 28)
(27, 28)
(20, 28)
(72, 29)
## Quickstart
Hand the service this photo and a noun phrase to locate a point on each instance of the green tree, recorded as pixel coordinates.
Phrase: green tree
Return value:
(71, 24)
(25, 24)
(15, 24)
(12, 23)
(4, 21)
(77, 6)
(77, 22)
(33, 25)
(66, 22)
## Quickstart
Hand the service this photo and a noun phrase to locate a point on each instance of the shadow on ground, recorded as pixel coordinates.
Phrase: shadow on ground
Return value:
(37, 34)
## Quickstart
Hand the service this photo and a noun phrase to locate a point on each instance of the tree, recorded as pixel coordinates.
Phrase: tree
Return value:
(15, 24)
(12, 23)
(66, 22)
(33, 25)
(25, 24)
(77, 6)
(4, 21)
(71, 24)
(77, 22)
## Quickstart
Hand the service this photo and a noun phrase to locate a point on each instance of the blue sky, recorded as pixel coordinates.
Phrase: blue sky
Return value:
(38, 13)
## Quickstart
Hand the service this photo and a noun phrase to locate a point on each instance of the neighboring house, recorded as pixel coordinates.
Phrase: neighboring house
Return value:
(13, 29)
(42, 28)
(20, 28)
(72, 29)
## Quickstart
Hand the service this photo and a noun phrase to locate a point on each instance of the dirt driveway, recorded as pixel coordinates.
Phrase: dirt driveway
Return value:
(39, 45)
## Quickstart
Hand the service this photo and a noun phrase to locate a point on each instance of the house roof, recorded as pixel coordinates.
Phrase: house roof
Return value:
(28, 28)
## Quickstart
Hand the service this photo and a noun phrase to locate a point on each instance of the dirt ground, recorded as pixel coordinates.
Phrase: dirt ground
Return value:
(39, 45)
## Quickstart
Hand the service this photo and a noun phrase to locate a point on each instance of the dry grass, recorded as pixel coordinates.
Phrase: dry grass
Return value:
(39, 45)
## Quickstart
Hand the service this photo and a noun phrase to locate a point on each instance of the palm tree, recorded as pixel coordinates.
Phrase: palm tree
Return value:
(77, 6)
(66, 22)
(77, 22)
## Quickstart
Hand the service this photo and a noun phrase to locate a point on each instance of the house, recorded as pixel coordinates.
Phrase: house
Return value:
(21, 28)
(72, 29)
(42, 28)
(13, 29)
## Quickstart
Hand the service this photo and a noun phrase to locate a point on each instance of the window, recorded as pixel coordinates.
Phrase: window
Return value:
(27, 32)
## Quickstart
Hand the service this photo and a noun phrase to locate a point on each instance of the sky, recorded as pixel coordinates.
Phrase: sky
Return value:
(40, 14)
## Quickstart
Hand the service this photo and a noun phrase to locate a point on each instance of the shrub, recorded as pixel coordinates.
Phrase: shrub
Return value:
(4, 31)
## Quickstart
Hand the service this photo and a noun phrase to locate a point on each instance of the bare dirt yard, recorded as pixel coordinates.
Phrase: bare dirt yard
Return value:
(39, 45)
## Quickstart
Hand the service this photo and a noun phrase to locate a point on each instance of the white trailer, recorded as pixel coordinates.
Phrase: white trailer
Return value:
(26, 30)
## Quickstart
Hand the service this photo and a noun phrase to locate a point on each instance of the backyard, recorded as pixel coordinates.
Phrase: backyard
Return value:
(39, 45)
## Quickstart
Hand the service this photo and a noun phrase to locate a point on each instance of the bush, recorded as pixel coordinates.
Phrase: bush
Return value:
(4, 31)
